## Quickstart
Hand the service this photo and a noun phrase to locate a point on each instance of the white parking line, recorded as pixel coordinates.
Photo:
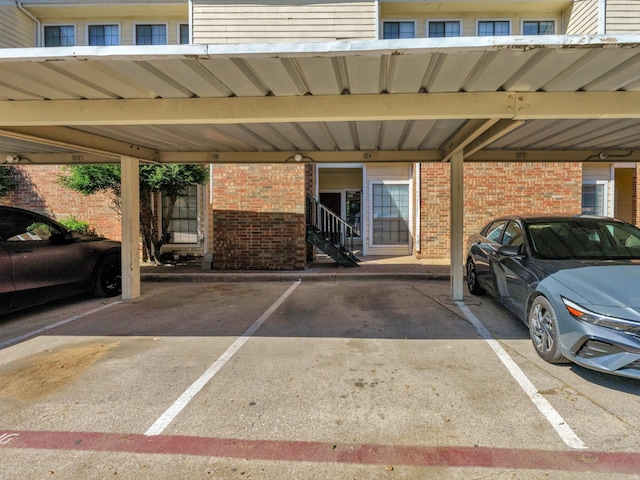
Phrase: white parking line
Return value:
(33, 333)
(551, 414)
(172, 412)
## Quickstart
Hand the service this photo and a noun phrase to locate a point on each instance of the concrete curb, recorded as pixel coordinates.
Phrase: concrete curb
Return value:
(289, 277)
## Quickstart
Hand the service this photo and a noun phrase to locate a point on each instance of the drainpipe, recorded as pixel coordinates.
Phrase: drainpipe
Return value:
(602, 17)
(190, 22)
(35, 20)
(378, 19)
(417, 177)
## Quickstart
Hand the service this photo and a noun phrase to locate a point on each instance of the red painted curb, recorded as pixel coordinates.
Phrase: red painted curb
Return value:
(293, 451)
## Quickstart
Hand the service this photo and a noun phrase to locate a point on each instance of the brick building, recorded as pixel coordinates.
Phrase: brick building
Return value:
(252, 216)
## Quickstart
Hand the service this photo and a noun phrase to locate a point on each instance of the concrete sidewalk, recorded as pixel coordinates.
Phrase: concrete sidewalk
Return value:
(323, 269)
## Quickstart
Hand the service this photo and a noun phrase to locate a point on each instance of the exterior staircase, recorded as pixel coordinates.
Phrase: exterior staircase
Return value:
(330, 233)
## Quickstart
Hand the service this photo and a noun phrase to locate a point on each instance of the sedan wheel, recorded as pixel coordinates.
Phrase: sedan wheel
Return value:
(472, 278)
(108, 281)
(543, 329)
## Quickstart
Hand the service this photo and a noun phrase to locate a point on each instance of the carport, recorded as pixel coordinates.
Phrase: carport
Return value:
(504, 99)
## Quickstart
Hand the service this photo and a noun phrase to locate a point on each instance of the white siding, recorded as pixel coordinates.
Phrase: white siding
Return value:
(246, 21)
(16, 28)
(582, 18)
(623, 16)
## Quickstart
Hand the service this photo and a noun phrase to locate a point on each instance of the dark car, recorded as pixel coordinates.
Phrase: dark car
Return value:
(575, 281)
(41, 260)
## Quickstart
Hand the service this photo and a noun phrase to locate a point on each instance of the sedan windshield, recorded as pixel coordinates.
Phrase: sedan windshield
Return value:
(584, 238)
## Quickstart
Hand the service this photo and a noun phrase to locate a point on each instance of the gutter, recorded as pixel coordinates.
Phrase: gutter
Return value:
(35, 20)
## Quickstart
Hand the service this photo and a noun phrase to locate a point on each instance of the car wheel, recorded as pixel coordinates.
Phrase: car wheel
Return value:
(543, 330)
(108, 280)
(472, 278)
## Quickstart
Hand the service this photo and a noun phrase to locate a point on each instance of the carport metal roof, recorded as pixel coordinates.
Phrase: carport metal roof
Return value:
(539, 98)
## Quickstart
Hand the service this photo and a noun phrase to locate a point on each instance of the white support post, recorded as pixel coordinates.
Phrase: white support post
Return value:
(130, 178)
(457, 225)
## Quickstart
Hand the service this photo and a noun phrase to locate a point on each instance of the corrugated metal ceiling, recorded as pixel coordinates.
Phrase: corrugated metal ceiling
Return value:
(419, 66)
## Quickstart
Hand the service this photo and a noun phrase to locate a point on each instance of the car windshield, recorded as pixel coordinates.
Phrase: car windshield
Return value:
(584, 238)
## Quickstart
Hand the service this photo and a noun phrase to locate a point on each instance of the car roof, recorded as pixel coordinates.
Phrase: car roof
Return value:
(535, 218)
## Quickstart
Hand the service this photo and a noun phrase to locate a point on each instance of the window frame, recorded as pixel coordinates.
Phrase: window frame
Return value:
(445, 21)
(605, 196)
(197, 196)
(399, 20)
(372, 219)
(493, 20)
(538, 20)
(179, 33)
(58, 25)
(103, 24)
(152, 24)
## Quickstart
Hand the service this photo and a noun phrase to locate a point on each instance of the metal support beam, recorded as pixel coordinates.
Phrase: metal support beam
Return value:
(315, 157)
(78, 141)
(218, 111)
(329, 108)
(130, 177)
(471, 130)
(457, 225)
(500, 129)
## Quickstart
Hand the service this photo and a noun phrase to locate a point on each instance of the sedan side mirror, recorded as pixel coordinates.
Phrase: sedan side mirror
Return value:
(61, 238)
(511, 250)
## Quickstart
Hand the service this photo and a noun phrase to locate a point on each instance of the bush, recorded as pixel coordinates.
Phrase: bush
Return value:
(80, 226)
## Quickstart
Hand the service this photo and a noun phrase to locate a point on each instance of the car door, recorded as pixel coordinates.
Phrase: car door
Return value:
(509, 267)
(6, 280)
(42, 268)
(484, 251)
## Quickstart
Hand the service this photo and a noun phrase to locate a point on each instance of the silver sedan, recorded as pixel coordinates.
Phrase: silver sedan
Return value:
(575, 281)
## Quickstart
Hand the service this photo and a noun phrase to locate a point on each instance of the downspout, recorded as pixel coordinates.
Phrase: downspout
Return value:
(35, 20)
(602, 17)
(418, 202)
(377, 3)
(191, 22)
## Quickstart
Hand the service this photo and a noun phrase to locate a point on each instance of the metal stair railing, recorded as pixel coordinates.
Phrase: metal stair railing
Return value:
(331, 226)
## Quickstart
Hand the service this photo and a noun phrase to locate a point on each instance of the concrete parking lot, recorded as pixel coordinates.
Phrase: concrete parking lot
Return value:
(340, 379)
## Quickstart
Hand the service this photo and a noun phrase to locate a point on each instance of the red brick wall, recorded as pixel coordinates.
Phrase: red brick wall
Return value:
(636, 197)
(259, 217)
(491, 190)
(39, 191)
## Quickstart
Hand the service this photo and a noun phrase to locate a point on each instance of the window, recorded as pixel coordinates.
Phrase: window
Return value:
(59, 36)
(103, 35)
(593, 199)
(444, 28)
(399, 30)
(494, 27)
(184, 220)
(151, 34)
(183, 32)
(24, 227)
(513, 235)
(494, 230)
(390, 214)
(538, 27)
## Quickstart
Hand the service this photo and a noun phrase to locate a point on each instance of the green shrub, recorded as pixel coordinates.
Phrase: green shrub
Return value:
(80, 226)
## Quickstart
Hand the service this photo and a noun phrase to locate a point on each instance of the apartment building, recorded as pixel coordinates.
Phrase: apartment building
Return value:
(252, 216)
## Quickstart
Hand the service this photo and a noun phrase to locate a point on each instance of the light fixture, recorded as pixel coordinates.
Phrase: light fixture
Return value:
(12, 159)
(602, 156)
(298, 158)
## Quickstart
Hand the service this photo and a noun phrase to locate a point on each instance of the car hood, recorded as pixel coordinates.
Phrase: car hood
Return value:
(605, 285)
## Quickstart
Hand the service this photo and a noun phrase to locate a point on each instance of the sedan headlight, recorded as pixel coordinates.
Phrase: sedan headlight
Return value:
(585, 315)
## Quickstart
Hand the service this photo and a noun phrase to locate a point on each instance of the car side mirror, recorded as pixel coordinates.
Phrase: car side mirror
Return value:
(511, 250)
(61, 238)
